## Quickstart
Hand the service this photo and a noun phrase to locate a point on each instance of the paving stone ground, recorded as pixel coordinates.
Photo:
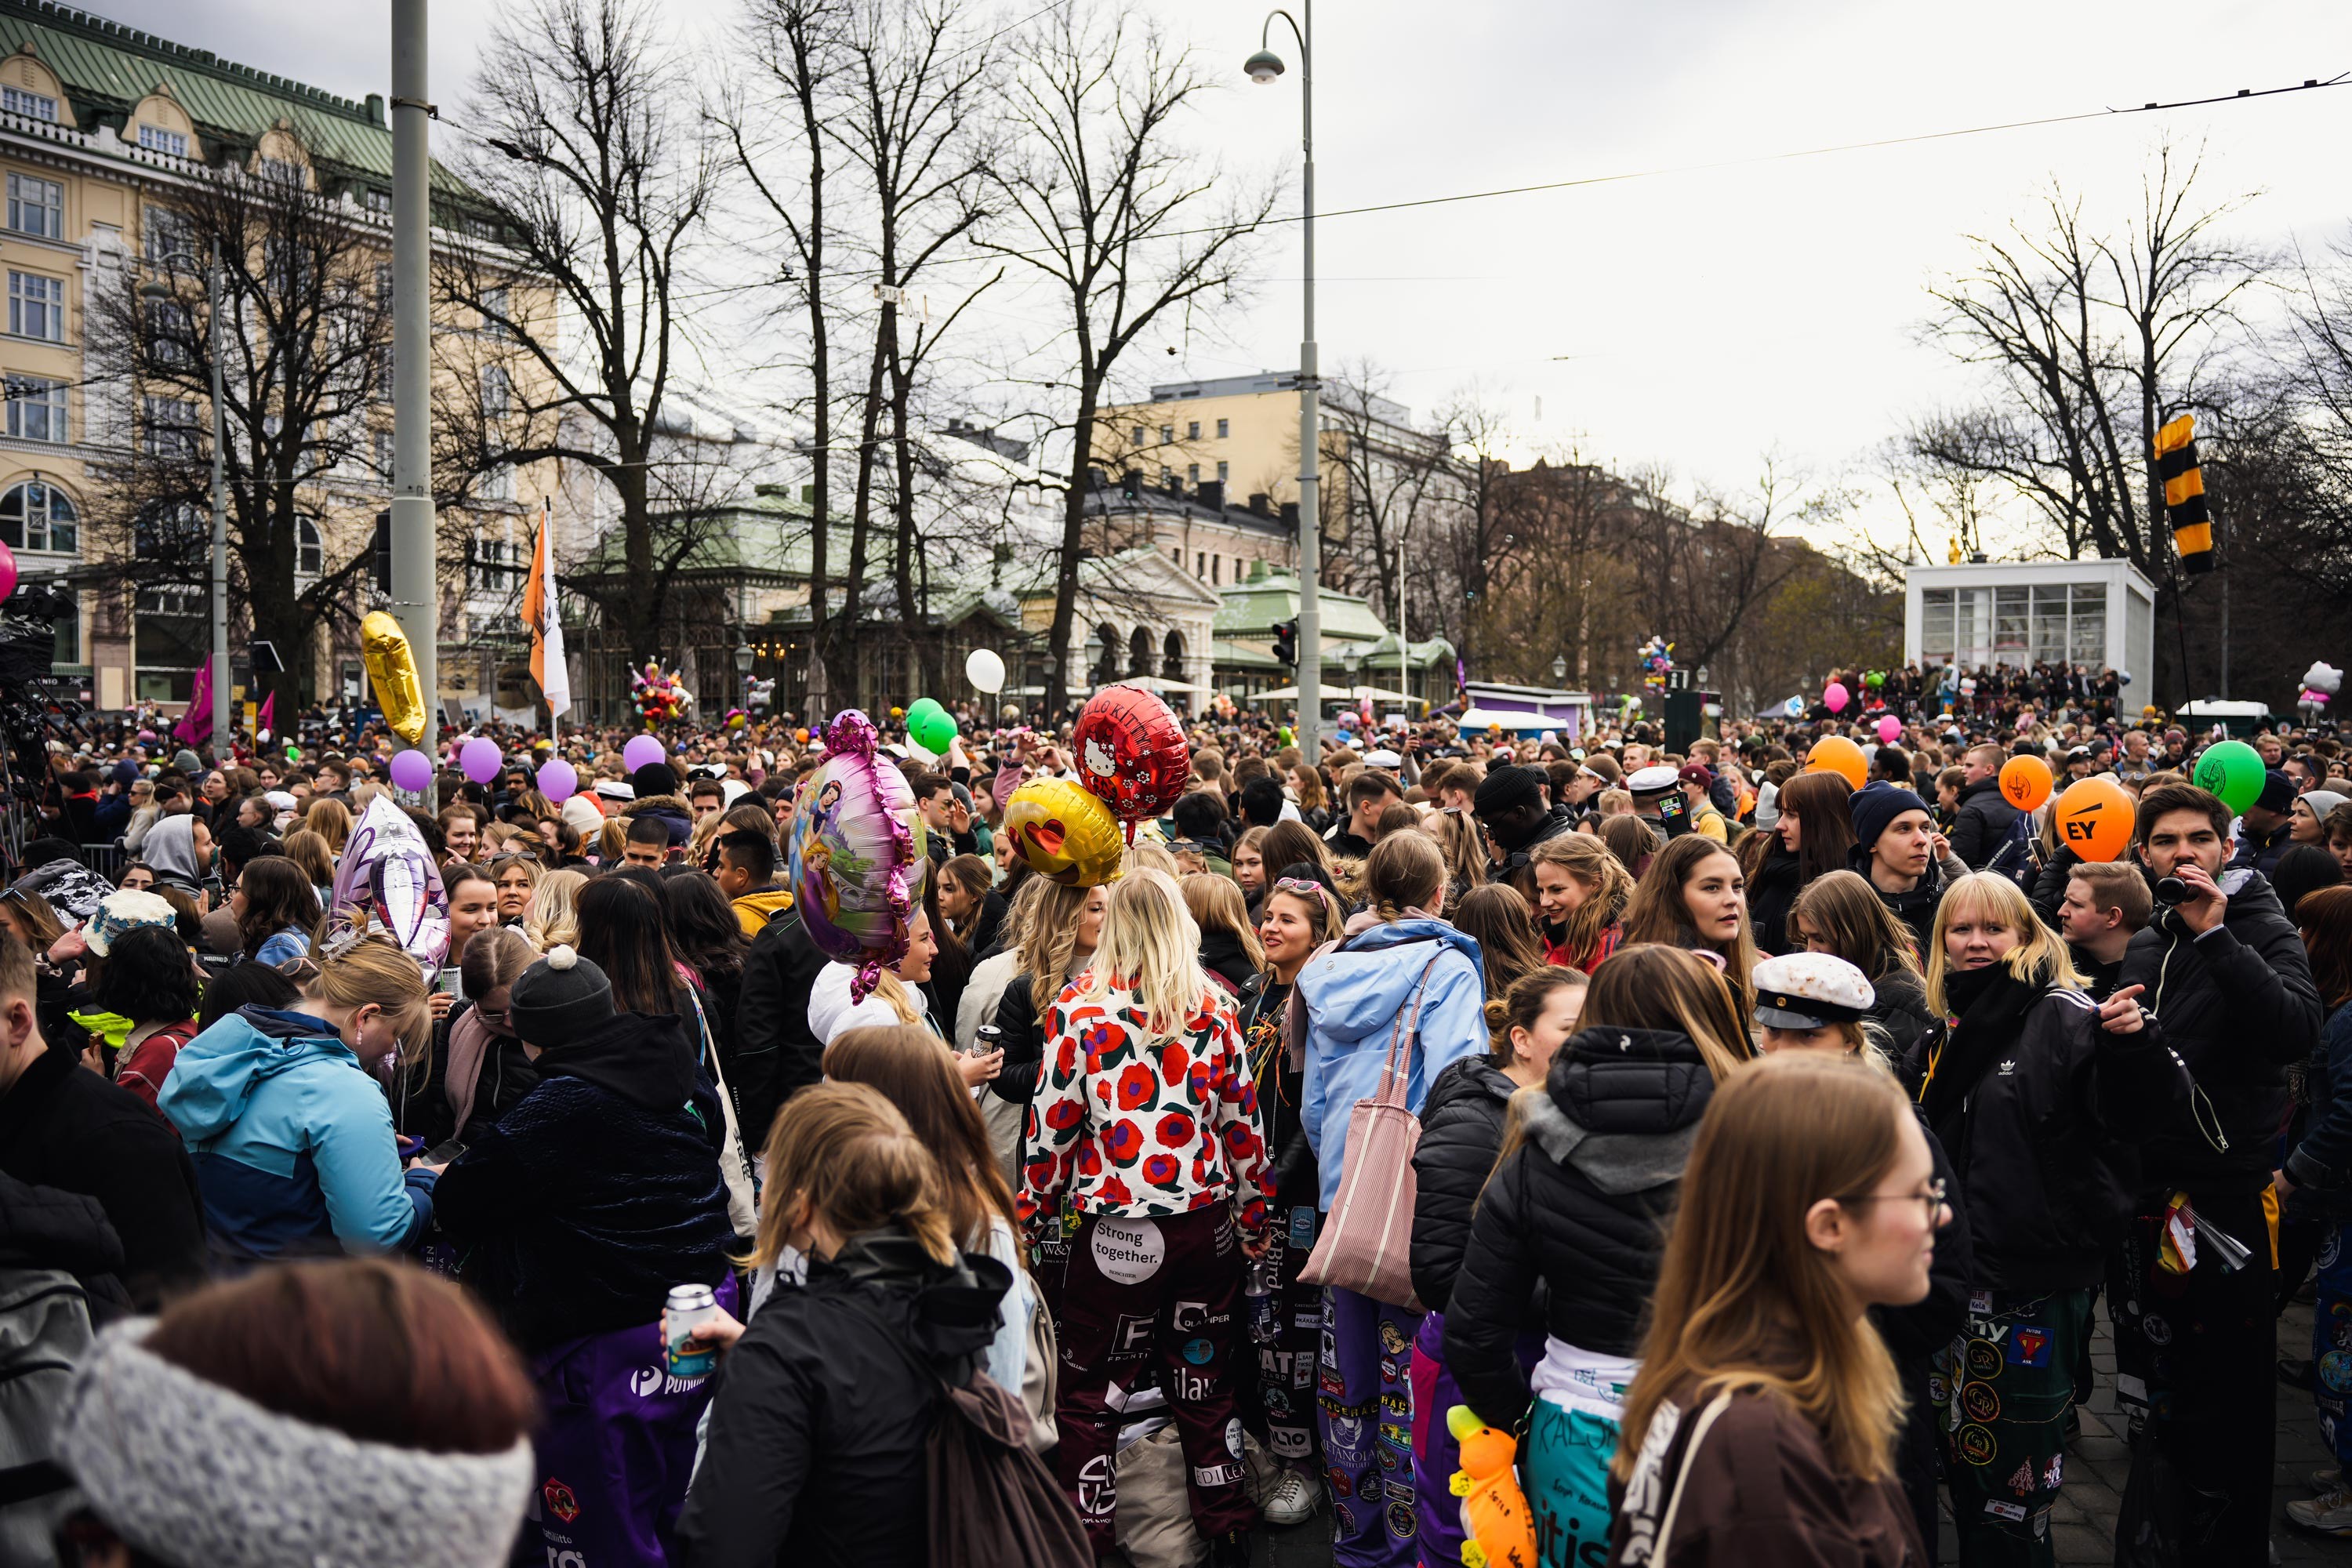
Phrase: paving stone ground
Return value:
(2083, 1521)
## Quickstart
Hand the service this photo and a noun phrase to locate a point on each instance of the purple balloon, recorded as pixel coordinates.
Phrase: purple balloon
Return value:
(557, 779)
(480, 759)
(641, 750)
(411, 771)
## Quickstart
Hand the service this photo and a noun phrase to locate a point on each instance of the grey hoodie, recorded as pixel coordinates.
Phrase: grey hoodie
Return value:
(171, 851)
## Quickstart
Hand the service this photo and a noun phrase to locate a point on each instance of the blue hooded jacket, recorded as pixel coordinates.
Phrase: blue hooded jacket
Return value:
(1353, 997)
(292, 1141)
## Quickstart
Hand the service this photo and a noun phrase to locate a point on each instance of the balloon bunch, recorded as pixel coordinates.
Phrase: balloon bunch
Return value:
(1133, 763)
(1656, 656)
(931, 726)
(1872, 679)
(660, 698)
(2320, 682)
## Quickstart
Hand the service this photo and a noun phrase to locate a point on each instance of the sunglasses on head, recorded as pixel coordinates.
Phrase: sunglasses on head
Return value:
(1301, 885)
(504, 856)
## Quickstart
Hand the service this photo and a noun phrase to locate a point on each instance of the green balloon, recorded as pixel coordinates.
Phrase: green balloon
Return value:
(934, 729)
(922, 705)
(2231, 771)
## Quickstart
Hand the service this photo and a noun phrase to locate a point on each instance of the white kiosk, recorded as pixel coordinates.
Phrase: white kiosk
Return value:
(2093, 613)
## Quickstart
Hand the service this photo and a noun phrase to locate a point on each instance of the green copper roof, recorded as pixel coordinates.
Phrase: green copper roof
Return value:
(107, 68)
(1249, 609)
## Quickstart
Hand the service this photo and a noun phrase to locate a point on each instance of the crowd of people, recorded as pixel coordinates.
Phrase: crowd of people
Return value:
(1756, 1145)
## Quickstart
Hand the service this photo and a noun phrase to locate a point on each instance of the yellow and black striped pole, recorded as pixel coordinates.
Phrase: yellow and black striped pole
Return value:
(2184, 494)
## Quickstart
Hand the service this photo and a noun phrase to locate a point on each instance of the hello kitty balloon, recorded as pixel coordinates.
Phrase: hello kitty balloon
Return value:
(1132, 754)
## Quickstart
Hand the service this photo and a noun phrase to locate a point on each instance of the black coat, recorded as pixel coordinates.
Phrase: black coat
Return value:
(775, 1054)
(1901, 1009)
(1982, 825)
(1580, 1207)
(44, 1228)
(1281, 1090)
(1777, 883)
(424, 1111)
(2042, 1145)
(1221, 954)
(1020, 1032)
(2239, 1005)
(815, 1451)
(62, 1126)
(600, 1191)
(988, 930)
(1916, 908)
(1461, 1134)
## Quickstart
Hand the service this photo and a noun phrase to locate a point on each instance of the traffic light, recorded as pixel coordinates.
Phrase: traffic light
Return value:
(2184, 494)
(1286, 642)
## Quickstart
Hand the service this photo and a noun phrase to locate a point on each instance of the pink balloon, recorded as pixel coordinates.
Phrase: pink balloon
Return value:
(558, 780)
(480, 759)
(7, 570)
(1835, 698)
(641, 750)
(1890, 729)
(411, 771)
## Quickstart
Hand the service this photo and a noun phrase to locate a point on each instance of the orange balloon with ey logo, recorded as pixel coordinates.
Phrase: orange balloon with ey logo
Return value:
(2025, 783)
(2095, 818)
(1836, 755)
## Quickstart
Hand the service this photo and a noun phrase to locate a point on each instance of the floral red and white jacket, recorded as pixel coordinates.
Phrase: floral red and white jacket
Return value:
(1129, 1121)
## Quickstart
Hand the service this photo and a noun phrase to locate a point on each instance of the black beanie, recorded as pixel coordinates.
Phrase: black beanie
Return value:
(2278, 793)
(557, 999)
(653, 779)
(1872, 809)
(1507, 789)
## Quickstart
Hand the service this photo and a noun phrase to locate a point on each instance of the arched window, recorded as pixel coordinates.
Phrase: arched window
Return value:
(1171, 657)
(37, 516)
(309, 549)
(1139, 653)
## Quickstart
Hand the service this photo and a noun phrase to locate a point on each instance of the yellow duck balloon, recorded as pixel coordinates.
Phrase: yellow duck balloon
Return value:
(392, 670)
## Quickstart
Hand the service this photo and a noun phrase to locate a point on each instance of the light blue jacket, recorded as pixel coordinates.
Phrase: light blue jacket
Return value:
(292, 1141)
(1353, 997)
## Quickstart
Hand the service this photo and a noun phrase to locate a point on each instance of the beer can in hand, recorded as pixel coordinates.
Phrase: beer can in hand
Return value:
(690, 1306)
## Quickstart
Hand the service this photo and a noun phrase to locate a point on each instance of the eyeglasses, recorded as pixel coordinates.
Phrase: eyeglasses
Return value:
(1931, 1201)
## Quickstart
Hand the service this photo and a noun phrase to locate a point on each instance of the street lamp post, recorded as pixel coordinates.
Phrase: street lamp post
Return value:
(1263, 67)
(1558, 668)
(743, 656)
(154, 288)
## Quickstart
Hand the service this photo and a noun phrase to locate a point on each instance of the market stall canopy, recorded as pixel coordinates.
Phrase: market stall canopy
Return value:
(1332, 694)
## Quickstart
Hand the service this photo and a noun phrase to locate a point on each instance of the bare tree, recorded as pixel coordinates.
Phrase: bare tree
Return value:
(1115, 216)
(1392, 479)
(591, 148)
(304, 343)
(2093, 343)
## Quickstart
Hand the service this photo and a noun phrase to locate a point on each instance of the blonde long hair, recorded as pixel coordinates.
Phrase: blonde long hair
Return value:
(1151, 948)
(916, 1070)
(554, 913)
(1048, 943)
(841, 1152)
(1744, 1300)
(2040, 957)
(1216, 903)
(376, 970)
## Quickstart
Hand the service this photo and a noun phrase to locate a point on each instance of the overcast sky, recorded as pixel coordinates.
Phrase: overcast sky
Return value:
(1690, 320)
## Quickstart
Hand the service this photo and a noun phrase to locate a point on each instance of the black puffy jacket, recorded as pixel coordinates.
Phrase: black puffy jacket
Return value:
(2042, 1142)
(776, 1052)
(1901, 1009)
(600, 1191)
(2239, 1005)
(1580, 1207)
(819, 1423)
(1980, 826)
(1461, 1132)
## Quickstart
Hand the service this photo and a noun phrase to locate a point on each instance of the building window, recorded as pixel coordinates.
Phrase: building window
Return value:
(1168, 435)
(279, 170)
(1138, 435)
(155, 139)
(34, 516)
(498, 483)
(1176, 553)
(382, 373)
(376, 200)
(170, 427)
(37, 408)
(171, 334)
(37, 306)
(1224, 429)
(1192, 431)
(36, 206)
(165, 236)
(384, 285)
(1191, 473)
(1222, 469)
(1217, 568)
(309, 549)
(1240, 568)
(2054, 623)
(31, 105)
(383, 455)
(1200, 564)
(497, 392)
(1166, 476)
(495, 314)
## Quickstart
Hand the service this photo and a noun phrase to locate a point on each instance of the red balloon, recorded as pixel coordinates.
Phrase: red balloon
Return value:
(1132, 753)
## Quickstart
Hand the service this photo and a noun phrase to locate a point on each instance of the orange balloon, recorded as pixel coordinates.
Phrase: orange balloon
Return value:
(1836, 755)
(2025, 783)
(2095, 818)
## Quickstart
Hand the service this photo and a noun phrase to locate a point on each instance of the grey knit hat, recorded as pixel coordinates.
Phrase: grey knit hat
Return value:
(192, 1472)
(559, 998)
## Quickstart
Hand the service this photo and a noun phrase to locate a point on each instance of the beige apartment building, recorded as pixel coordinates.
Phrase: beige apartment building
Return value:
(100, 125)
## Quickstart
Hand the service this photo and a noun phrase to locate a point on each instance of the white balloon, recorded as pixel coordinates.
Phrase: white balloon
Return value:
(985, 670)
